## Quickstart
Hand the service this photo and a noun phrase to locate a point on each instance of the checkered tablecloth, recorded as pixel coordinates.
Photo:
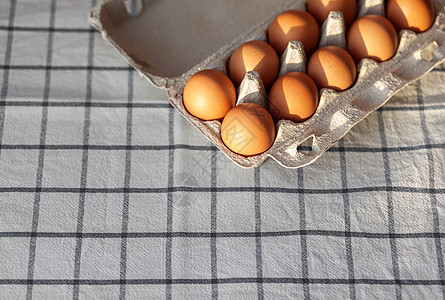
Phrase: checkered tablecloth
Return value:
(106, 192)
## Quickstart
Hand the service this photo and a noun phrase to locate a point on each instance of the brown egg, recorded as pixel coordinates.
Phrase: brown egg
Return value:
(332, 67)
(294, 96)
(294, 25)
(373, 37)
(254, 56)
(209, 95)
(248, 129)
(320, 9)
(416, 15)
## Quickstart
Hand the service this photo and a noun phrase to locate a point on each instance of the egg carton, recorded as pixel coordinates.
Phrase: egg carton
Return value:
(337, 112)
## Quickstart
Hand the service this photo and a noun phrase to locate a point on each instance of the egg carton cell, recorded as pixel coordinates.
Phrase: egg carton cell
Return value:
(169, 41)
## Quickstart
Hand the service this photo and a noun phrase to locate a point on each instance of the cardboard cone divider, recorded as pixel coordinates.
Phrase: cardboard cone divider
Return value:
(337, 112)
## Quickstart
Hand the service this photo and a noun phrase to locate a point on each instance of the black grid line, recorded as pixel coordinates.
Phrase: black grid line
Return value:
(432, 183)
(303, 237)
(347, 215)
(92, 67)
(126, 68)
(220, 281)
(240, 189)
(412, 108)
(258, 246)
(387, 149)
(161, 104)
(238, 234)
(214, 224)
(5, 83)
(164, 104)
(41, 158)
(12, 28)
(66, 68)
(202, 148)
(84, 172)
(109, 147)
(170, 183)
(126, 200)
(99, 68)
(96, 68)
(389, 196)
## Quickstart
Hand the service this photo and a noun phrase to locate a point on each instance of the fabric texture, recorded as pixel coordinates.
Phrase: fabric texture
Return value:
(106, 192)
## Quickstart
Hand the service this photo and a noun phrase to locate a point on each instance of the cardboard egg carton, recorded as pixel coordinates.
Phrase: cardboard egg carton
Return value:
(170, 40)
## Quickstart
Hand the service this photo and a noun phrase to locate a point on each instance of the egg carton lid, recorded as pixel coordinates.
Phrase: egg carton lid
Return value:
(167, 41)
